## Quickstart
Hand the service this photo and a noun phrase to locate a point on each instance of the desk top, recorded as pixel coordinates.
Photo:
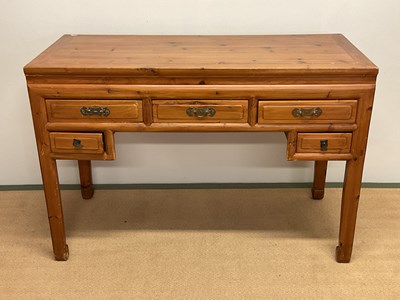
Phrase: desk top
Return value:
(135, 55)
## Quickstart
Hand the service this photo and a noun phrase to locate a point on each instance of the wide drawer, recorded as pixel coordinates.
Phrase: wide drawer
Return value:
(306, 111)
(94, 110)
(195, 111)
(323, 142)
(76, 142)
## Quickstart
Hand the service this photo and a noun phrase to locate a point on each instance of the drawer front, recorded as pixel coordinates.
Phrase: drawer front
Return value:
(307, 111)
(199, 111)
(323, 142)
(84, 143)
(94, 110)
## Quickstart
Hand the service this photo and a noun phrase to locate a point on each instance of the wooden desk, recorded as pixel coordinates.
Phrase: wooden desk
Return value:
(317, 89)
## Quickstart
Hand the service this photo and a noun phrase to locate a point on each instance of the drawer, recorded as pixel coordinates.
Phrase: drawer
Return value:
(195, 111)
(125, 111)
(306, 111)
(76, 143)
(323, 142)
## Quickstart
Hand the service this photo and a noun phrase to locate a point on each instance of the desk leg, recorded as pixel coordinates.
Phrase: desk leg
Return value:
(48, 167)
(348, 215)
(54, 207)
(318, 188)
(353, 178)
(85, 174)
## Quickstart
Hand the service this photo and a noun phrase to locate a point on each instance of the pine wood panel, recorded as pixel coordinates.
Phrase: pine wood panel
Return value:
(292, 152)
(68, 110)
(239, 78)
(198, 55)
(90, 143)
(228, 111)
(311, 142)
(333, 111)
(173, 92)
(198, 127)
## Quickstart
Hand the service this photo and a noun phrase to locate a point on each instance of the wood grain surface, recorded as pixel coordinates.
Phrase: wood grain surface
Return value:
(317, 89)
(201, 55)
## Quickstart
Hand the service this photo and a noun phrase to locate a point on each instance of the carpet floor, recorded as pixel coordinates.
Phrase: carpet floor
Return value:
(199, 244)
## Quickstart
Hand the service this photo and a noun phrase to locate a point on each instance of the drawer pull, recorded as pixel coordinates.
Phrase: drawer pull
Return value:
(95, 110)
(324, 145)
(306, 112)
(77, 144)
(201, 112)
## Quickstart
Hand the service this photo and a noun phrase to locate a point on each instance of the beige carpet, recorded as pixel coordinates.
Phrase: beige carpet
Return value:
(199, 244)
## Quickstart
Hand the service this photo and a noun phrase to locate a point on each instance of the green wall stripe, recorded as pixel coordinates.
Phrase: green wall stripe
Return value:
(157, 186)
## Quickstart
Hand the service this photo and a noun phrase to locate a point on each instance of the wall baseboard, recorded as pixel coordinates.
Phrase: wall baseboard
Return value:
(158, 186)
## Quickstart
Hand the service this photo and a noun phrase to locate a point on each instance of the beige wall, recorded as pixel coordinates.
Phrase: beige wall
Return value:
(27, 27)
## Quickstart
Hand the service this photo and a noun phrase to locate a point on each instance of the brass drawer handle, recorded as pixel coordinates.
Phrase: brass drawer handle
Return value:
(201, 112)
(95, 110)
(306, 112)
(77, 144)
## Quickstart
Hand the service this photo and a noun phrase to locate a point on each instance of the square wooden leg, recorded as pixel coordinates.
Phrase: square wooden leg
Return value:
(318, 188)
(85, 174)
(348, 215)
(54, 207)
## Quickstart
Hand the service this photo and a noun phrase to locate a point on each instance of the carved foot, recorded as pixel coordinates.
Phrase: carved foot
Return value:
(87, 192)
(64, 256)
(317, 194)
(343, 254)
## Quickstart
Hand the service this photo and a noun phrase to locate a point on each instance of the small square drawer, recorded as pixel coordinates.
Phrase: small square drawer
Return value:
(76, 143)
(323, 142)
(198, 111)
(125, 111)
(306, 111)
